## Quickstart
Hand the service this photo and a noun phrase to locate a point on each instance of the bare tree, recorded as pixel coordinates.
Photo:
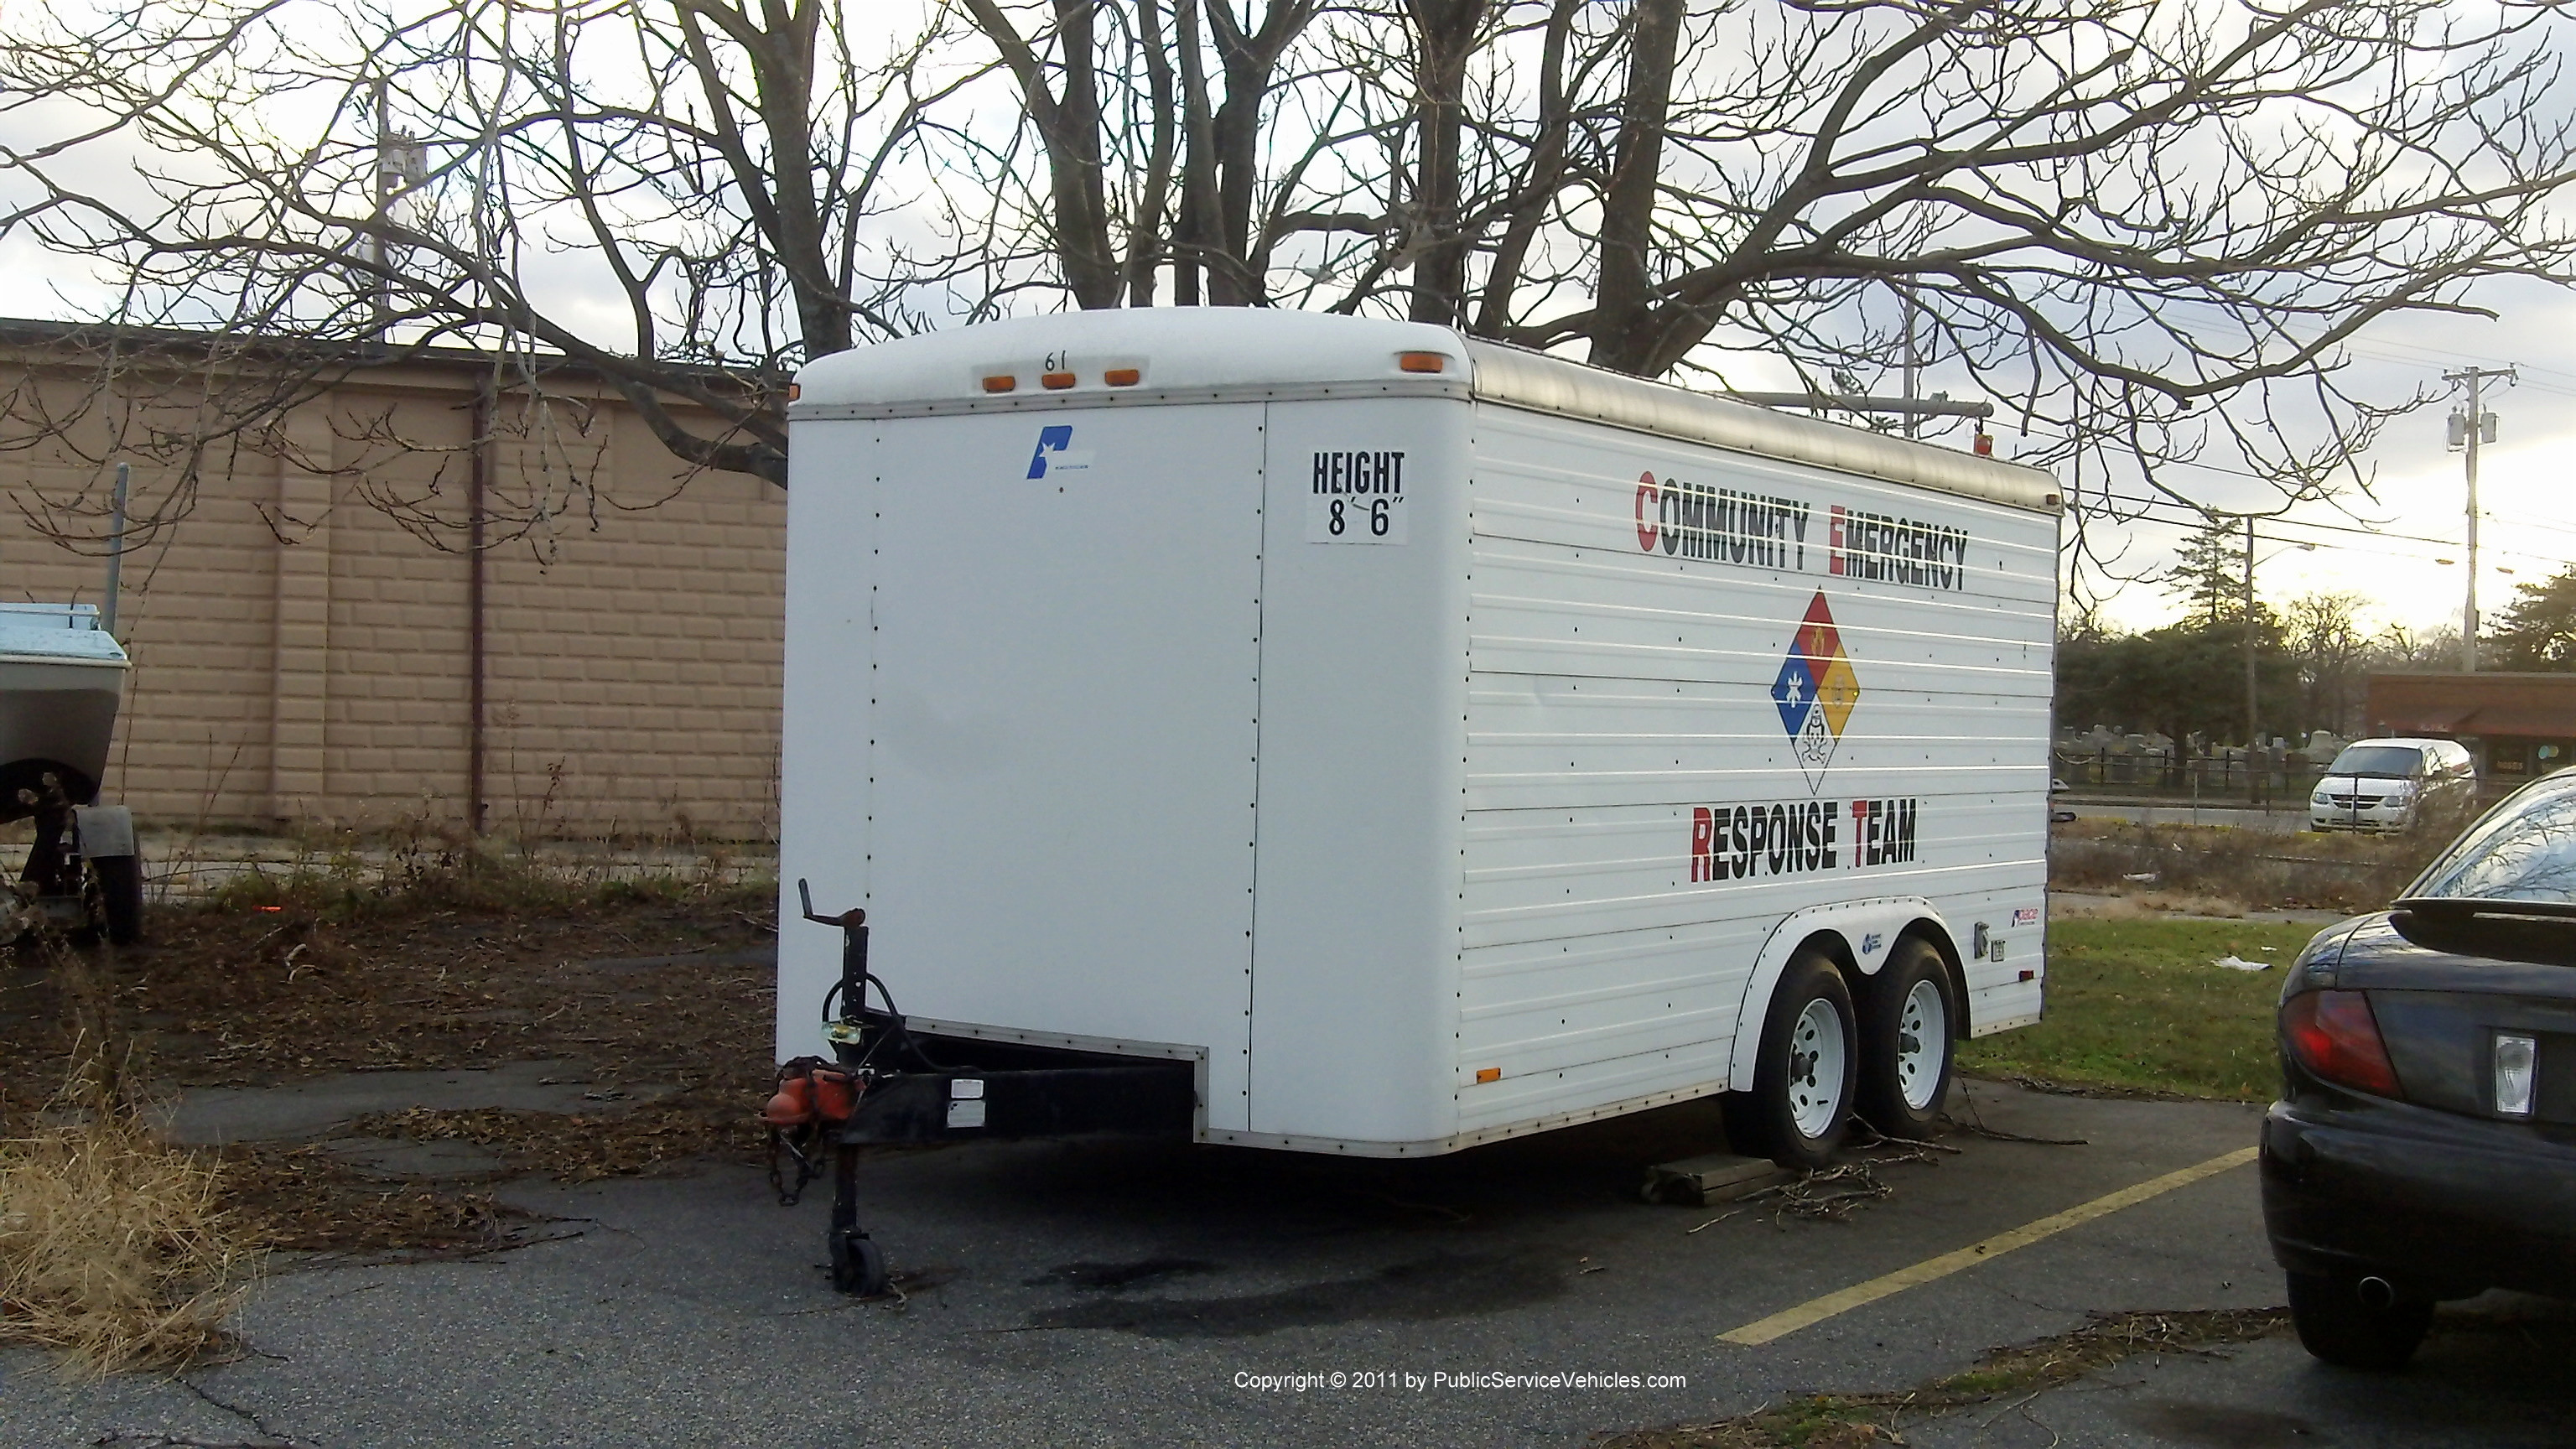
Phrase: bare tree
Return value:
(684, 198)
(2148, 231)
(2323, 633)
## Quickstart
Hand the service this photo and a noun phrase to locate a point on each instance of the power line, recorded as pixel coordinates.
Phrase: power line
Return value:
(2189, 517)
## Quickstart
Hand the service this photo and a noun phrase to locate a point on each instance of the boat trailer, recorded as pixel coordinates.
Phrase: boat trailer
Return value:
(888, 1084)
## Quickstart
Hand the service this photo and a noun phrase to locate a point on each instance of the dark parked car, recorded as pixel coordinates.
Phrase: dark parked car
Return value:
(2424, 1146)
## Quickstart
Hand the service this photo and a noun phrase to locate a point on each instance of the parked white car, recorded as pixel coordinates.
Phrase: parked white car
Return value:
(2392, 784)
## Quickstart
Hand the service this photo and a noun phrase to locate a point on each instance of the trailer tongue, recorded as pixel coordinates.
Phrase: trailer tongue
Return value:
(889, 1085)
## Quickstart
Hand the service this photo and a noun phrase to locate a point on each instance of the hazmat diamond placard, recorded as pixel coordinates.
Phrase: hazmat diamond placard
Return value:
(1816, 691)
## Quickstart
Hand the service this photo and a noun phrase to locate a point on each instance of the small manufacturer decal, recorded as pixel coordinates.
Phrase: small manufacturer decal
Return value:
(2026, 915)
(1056, 453)
(1869, 943)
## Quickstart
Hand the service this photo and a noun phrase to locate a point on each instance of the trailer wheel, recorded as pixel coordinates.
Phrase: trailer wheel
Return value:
(1800, 1105)
(1909, 1029)
(858, 1265)
(117, 881)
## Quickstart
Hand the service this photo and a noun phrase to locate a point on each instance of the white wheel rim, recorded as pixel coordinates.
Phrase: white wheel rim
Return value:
(1817, 1053)
(1922, 1044)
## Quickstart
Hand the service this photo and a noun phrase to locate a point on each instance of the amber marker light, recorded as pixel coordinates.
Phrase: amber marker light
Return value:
(1000, 382)
(1422, 362)
(1057, 380)
(1122, 377)
(795, 390)
(1489, 1074)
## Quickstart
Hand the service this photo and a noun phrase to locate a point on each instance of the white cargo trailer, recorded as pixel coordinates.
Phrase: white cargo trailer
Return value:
(1422, 741)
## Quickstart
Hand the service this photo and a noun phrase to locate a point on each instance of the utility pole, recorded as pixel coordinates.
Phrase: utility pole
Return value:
(2253, 720)
(402, 164)
(1913, 364)
(2468, 430)
(381, 299)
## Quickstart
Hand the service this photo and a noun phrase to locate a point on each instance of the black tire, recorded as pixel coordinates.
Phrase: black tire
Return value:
(1799, 1110)
(119, 881)
(858, 1265)
(2337, 1326)
(1909, 1026)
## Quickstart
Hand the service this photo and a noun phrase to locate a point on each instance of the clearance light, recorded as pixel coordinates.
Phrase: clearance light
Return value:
(1422, 362)
(1056, 380)
(1123, 376)
(1000, 382)
(2517, 1062)
(1489, 1074)
(795, 390)
(2334, 1035)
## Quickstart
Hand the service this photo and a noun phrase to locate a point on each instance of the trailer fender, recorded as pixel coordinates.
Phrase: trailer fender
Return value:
(1860, 932)
(105, 831)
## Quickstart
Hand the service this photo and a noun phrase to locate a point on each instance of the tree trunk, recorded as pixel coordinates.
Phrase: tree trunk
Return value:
(1628, 330)
(1444, 36)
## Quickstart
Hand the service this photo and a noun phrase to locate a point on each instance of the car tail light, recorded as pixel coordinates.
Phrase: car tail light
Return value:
(2335, 1037)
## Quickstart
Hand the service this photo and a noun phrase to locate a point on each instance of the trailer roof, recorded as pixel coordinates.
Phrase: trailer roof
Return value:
(1172, 355)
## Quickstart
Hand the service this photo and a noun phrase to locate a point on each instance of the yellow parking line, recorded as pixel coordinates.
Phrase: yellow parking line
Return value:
(1816, 1310)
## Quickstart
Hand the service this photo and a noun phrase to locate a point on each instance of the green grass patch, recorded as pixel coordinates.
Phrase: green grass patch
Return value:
(2138, 1005)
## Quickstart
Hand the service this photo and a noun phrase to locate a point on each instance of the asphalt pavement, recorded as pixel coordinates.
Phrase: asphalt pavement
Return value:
(1141, 1294)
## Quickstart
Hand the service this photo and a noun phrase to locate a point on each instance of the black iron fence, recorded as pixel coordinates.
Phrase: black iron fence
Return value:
(2168, 774)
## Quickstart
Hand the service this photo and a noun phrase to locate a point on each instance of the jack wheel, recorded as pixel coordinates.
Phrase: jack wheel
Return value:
(858, 1265)
(116, 908)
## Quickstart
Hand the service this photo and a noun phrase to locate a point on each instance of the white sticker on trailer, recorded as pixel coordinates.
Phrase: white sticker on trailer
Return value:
(1357, 497)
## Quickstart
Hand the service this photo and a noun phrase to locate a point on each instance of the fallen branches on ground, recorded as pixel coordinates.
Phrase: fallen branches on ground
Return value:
(1842, 1421)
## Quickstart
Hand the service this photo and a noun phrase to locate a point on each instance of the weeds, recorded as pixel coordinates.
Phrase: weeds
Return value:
(2254, 867)
(115, 1251)
(426, 865)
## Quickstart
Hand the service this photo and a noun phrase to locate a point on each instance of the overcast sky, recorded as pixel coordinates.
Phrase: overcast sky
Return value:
(2524, 489)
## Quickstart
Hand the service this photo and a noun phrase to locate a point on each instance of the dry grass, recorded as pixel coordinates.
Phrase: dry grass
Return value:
(2223, 870)
(116, 1251)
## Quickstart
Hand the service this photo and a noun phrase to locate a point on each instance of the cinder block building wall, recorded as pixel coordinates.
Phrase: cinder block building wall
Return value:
(302, 656)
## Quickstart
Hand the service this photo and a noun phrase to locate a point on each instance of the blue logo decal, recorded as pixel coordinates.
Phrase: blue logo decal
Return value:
(1050, 440)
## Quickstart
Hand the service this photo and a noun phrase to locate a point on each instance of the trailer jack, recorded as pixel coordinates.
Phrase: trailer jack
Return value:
(888, 1084)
